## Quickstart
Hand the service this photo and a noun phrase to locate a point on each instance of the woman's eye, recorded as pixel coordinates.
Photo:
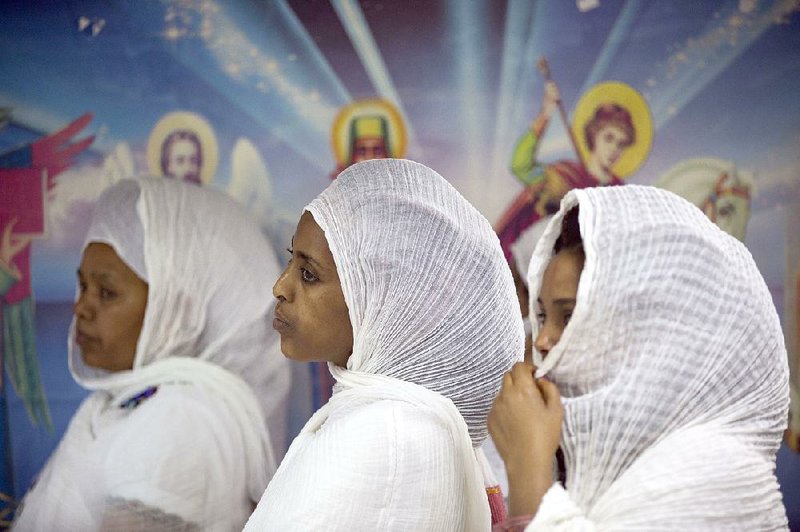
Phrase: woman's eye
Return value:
(307, 276)
(567, 317)
(540, 317)
(105, 293)
(82, 287)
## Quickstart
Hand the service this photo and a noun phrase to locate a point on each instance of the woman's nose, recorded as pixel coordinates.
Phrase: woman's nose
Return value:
(545, 341)
(281, 289)
(82, 308)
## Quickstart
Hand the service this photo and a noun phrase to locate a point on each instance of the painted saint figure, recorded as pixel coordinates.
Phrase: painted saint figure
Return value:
(365, 130)
(182, 156)
(604, 139)
(27, 174)
(183, 146)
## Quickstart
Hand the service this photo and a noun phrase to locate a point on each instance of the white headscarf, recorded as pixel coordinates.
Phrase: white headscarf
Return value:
(209, 272)
(435, 325)
(672, 371)
(421, 274)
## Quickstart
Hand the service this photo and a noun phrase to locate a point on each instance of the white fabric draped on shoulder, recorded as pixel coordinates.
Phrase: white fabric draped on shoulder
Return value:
(672, 370)
(195, 453)
(436, 323)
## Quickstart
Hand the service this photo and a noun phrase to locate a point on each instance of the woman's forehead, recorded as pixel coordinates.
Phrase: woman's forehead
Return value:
(310, 240)
(562, 273)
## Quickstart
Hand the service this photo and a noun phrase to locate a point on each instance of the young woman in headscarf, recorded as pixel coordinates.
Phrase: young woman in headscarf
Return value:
(401, 285)
(658, 343)
(171, 333)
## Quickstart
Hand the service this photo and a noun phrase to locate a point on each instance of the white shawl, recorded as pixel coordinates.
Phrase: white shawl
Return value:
(672, 371)
(198, 453)
(435, 325)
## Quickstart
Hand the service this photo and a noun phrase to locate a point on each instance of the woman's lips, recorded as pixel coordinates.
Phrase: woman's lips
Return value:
(279, 323)
(83, 339)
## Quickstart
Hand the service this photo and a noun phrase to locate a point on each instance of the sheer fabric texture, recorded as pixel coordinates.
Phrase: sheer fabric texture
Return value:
(180, 442)
(435, 325)
(672, 370)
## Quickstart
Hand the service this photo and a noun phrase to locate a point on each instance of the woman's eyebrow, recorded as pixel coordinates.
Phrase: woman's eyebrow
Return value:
(564, 301)
(98, 276)
(308, 258)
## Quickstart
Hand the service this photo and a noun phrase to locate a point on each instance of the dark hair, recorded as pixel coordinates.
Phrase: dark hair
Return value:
(570, 237)
(609, 114)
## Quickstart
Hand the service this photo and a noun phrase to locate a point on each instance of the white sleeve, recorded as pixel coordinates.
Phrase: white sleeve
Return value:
(558, 513)
(174, 460)
(381, 466)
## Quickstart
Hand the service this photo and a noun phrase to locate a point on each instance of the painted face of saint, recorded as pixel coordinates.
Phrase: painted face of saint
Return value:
(609, 143)
(184, 161)
(367, 148)
(110, 309)
(311, 315)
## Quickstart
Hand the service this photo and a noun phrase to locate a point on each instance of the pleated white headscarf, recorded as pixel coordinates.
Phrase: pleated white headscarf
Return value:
(421, 274)
(435, 325)
(207, 323)
(672, 370)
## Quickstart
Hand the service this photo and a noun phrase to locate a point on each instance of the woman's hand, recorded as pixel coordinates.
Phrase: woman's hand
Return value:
(525, 424)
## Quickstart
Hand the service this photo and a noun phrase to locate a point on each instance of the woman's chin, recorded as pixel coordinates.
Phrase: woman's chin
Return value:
(98, 361)
(93, 361)
(291, 352)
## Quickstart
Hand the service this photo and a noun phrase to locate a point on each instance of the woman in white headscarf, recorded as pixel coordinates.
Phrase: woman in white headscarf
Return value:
(171, 333)
(658, 342)
(401, 285)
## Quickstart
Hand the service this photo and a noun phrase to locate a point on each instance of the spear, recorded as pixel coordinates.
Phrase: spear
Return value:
(544, 68)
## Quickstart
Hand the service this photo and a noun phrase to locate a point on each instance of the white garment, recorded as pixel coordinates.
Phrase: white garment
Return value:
(197, 454)
(496, 465)
(672, 371)
(435, 325)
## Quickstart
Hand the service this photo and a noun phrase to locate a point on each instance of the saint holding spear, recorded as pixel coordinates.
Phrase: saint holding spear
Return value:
(611, 134)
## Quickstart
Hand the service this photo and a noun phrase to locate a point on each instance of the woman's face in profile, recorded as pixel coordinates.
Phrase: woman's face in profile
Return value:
(311, 315)
(557, 297)
(110, 309)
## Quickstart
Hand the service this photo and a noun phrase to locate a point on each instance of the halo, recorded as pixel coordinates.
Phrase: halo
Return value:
(197, 125)
(629, 98)
(340, 132)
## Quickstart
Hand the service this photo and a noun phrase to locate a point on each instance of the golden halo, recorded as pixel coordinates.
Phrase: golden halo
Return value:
(629, 98)
(340, 132)
(191, 122)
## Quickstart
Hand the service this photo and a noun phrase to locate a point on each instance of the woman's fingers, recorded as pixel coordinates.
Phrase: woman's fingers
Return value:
(522, 373)
(549, 391)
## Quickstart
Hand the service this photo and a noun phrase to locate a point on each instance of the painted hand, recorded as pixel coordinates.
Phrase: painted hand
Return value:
(10, 246)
